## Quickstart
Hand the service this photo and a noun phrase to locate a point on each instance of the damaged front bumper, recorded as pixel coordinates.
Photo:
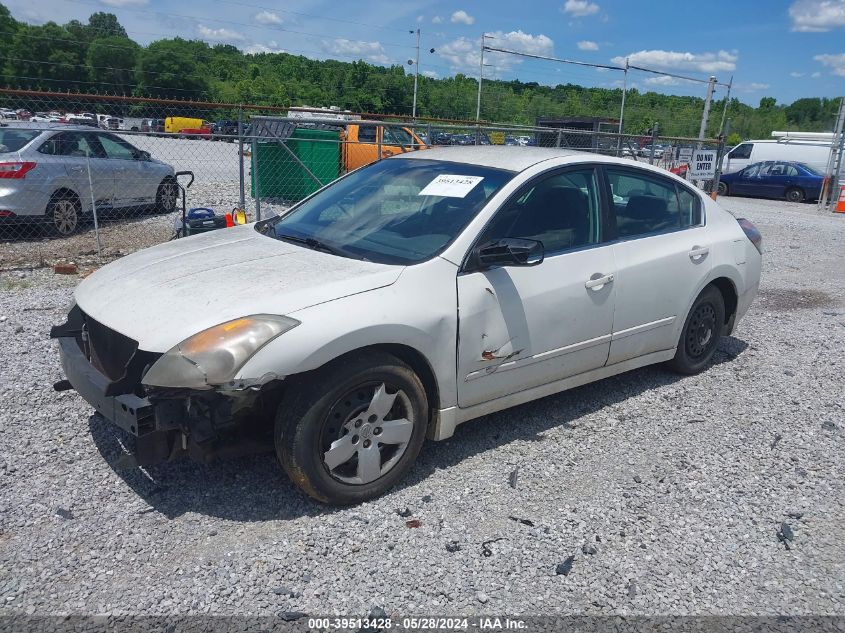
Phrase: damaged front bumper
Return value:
(167, 423)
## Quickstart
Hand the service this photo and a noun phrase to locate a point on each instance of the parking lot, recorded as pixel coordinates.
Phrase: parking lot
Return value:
(720, 493)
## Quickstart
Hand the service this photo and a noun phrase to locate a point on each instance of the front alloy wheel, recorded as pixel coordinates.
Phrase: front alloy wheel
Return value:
(366, 433)
(167, 196)
(62, 217)
(352, 429)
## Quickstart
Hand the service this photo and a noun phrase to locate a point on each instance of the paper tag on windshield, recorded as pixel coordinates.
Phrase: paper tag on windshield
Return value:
(451, 186)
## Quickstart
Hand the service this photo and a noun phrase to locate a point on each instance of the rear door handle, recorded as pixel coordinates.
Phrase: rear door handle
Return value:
(698, 253)
(75, 169)
(599, 282)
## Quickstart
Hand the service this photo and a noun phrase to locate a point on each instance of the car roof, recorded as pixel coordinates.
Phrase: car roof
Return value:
(496, 156)
(48, 126)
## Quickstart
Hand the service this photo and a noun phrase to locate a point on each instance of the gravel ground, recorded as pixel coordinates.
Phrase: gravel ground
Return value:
(647, 493)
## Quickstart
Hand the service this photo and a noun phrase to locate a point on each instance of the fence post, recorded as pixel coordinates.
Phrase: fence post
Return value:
(719, 154)
(241, 158)
(379, 132)
(256, 179)
(653, 141)
(559, 133)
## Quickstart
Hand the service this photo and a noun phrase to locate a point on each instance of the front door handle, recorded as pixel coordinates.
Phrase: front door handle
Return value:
(597, 283)
(698, 253)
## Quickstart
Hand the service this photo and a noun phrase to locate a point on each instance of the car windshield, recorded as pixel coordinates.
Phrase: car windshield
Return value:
(13, 139)
(398, 136)
(392, 212)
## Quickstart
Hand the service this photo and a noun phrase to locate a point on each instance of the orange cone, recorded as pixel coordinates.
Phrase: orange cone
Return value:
(840, 205)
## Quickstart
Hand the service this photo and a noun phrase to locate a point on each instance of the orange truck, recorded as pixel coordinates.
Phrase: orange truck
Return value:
(360, 141)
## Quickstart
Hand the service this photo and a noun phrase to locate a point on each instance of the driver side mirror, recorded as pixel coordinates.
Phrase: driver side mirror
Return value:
(143, 155)
(509, 251)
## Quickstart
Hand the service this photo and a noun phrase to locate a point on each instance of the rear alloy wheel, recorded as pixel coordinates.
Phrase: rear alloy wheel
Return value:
(167, 196)
(701, 333)
(357, 438)
(794, 194)
(722, 189)
(62, 216)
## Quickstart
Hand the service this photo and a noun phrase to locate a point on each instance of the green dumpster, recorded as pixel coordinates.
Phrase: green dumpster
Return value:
(281, 176)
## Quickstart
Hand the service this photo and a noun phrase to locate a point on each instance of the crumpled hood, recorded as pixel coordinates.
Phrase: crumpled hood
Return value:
(162, 295)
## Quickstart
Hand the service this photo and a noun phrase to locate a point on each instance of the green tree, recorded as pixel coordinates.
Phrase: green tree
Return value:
(168, 68)
(111, 63)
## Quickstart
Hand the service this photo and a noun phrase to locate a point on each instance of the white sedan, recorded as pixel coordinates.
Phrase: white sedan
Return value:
(402, 300)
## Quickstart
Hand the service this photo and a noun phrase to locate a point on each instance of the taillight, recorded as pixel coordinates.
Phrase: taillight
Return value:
(15, 170)
(751, 233)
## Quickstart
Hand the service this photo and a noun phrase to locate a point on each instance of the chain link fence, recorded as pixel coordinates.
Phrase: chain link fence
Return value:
(88, 178)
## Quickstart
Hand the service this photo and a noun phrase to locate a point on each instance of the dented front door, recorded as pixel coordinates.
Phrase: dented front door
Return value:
(525, 327)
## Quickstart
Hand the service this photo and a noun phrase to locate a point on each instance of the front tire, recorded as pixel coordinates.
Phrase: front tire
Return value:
(352, 429)
(167, 196)
(702, 331)
(722, 189)
(794, 194)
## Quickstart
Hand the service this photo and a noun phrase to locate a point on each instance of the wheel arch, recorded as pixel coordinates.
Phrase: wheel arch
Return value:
(66, 191)
(730, 297)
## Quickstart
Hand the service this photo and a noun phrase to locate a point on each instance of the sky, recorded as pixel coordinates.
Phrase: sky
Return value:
(787, 49)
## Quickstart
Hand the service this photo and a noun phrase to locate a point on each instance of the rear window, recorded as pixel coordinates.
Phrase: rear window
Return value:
(12, 140)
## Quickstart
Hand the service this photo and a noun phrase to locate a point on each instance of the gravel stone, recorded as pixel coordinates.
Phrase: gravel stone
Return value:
(185, 538)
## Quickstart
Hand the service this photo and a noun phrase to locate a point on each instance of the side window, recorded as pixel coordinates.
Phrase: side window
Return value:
(366, 133)
(751, 172)
(644, 204)
(69, 144)
(790, 170)
(561, 211)
(116, 148)
(742, 151)
(690, 207)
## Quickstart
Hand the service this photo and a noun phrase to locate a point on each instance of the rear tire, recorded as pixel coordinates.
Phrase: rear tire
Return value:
(722, 189)
(63, 215)
(702, 330)
(328, 428)
(794, 194)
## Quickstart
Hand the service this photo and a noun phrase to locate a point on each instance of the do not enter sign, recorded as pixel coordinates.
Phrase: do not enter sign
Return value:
(703, 164)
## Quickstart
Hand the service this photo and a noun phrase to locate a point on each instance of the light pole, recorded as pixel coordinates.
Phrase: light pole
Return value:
(416, 75)
(480, 77)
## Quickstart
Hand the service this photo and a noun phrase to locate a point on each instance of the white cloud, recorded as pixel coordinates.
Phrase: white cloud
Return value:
(817, 15)
(816, 75)
(430, 73)
(722, 61)
(796, 75)
(587, 45)
(369, 51)
(663, 80)
(463, 53)
(437, 20)
(267, 17)
(420, 18)
(125, 3)
(580, 8)
(836, 63)
(255, 49)
(753, 87)
(219, 35)
(462, 17)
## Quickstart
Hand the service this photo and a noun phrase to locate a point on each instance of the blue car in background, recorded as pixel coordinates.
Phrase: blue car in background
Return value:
(774, 179)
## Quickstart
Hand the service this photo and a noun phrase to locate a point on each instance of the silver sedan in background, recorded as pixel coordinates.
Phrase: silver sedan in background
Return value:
(54, 174)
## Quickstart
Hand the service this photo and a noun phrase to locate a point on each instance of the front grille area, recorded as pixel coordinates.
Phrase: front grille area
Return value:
(108, 351)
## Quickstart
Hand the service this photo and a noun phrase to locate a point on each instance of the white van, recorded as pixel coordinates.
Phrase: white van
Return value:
(812, 153)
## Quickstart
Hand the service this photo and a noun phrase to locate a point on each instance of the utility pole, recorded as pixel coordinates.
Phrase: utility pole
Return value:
(622, 109)
(480, 78)
(706, 114)
(416, 76)
(725, 109)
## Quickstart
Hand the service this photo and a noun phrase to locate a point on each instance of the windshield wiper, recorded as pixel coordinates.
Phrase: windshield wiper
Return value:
(312, 243)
